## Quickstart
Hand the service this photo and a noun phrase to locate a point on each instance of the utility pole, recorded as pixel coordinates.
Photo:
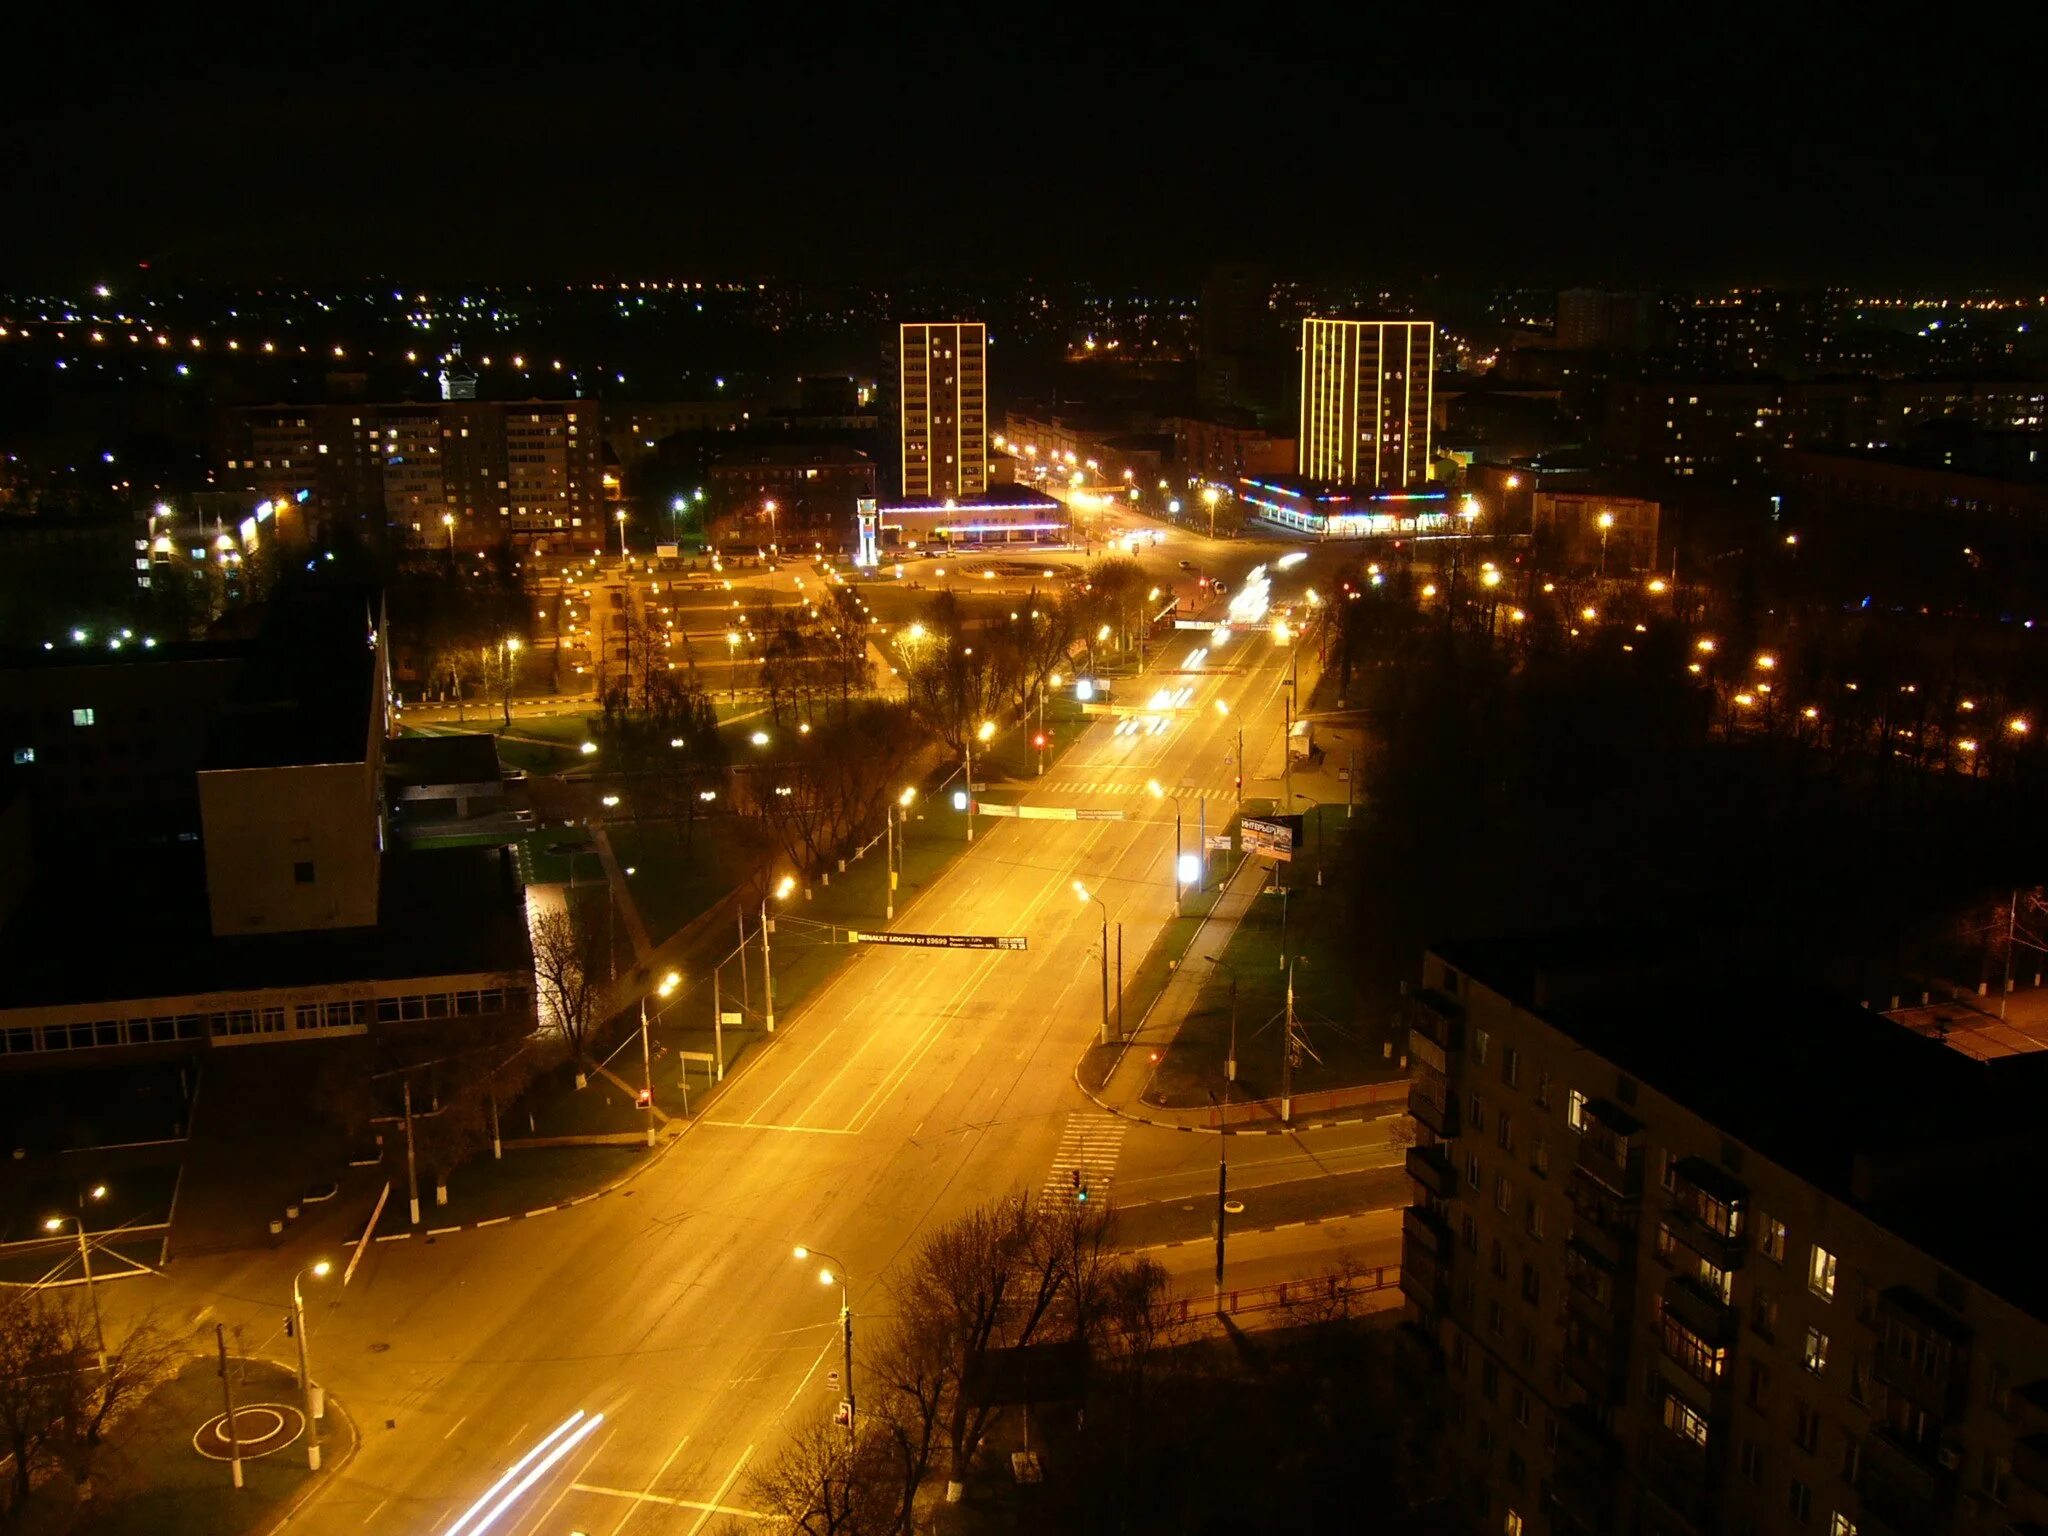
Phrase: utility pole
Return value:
(1222, 1204)
(767, 978)
(2012, 918)
(412, 1175)
(968, 747)
(739, 917)
(1120, 981)
(1287, 1055)
(227, 1397)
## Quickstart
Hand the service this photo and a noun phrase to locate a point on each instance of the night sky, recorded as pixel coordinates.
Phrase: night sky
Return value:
(1129, 144)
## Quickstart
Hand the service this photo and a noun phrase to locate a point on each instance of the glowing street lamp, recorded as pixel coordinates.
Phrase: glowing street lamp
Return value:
(784, 888)
(320, 1269)
(56, 1224)
(667, 988)
(1179, 885)
(984, 733)
(1606, 521)
(447, 522)
(1087, 896)
(619, 517)
(892, 813)
(834, 1273)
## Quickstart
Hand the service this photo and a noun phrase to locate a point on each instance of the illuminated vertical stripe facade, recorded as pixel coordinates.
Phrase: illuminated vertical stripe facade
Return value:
(1367, 392)
(943, 369)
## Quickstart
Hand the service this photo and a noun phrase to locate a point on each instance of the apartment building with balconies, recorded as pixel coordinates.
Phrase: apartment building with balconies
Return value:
(1693, 1255)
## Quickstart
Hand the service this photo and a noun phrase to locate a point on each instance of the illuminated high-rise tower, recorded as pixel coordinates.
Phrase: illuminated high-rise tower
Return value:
(1366, 388)
(942, 373)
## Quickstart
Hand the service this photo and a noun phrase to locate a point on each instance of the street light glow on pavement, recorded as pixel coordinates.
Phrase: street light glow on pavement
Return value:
(576, 1426)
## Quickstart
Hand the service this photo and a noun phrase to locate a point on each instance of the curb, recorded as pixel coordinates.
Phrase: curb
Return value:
(320, 1481)
(660, 1151)
(1213, 1130)
(1278, 1226)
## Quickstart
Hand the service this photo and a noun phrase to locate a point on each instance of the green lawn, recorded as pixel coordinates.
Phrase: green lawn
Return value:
(1352, 1050)
(678, 872)
(523, 1180)
(150, 1481)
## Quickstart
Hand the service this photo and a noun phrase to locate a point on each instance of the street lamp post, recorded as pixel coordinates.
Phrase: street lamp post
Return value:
(782, 891)
(319, 1271)
(1160, 794)
(1086, 896)
(1606, 521)
(448, 522)
(1313, 802)
(1229, 1061)
(890, 815)
(620, 518)
(835, 1274)
(771, 509)
(508, 660)
(56, 1224)
(732, 665)
(669, 983)
(985, 733)
(1210, 496)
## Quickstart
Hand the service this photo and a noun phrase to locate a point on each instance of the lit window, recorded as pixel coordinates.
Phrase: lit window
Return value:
(1575, 1111)
(1841, 1525)
(1816, 1358)
(82, 716)
(1771, 1238)
(1685, 1421)
(24, 756)
(1820, 1273)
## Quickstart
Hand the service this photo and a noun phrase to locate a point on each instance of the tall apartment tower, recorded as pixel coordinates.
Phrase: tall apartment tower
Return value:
(943, 373)
(1366, 395)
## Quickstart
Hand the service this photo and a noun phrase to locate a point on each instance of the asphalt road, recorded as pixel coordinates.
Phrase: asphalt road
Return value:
(915, 1085)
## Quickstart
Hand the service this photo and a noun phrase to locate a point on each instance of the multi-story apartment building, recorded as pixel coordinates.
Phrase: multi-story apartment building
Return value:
(1601, 320)
(942, 380)
(507, 472)
(1690, 1258)
(1366, 401)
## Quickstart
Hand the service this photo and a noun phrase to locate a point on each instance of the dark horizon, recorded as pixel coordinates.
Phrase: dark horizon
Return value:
(471, 145)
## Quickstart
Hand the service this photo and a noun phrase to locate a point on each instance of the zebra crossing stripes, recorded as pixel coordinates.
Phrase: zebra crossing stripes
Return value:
(1089, 1145)
(1090, 787)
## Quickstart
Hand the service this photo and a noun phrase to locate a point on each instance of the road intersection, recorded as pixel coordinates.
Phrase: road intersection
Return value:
(913, 1085)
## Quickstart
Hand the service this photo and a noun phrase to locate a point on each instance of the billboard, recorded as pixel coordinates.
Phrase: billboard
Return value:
(1272, 837)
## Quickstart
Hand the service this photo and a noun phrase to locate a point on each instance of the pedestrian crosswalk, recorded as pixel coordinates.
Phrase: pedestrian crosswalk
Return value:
(1085, 1160)
(1060, 786)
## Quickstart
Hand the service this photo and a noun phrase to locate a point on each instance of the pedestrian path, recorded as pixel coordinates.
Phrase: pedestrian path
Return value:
(1085, 1160)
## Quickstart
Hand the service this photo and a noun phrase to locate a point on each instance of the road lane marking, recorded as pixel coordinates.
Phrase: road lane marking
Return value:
(1089, 1146)
(671, 1502)
(871, 1106)
(718, 1498)
(455, 1426)
(375, 1512)
(763, 1125)
(648, 1493)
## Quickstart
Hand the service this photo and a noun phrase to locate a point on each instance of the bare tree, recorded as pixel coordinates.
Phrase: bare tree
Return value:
(32, 1395)
(823, 1485)
(55, 1399)
(137, 1363)
(568, 971)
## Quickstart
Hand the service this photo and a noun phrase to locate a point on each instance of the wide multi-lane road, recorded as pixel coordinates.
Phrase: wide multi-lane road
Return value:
(914, 1085)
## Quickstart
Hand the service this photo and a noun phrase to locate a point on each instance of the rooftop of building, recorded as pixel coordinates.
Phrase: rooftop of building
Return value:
(1337, 491)
(445, 911)
(745, 454)
(1882, 1117)
(424, 760)
(997, 498)
(305, 690)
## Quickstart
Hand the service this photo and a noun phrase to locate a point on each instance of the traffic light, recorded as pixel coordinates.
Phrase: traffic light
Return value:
(1038, 741)
(290, 1329)
(644, 1099)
